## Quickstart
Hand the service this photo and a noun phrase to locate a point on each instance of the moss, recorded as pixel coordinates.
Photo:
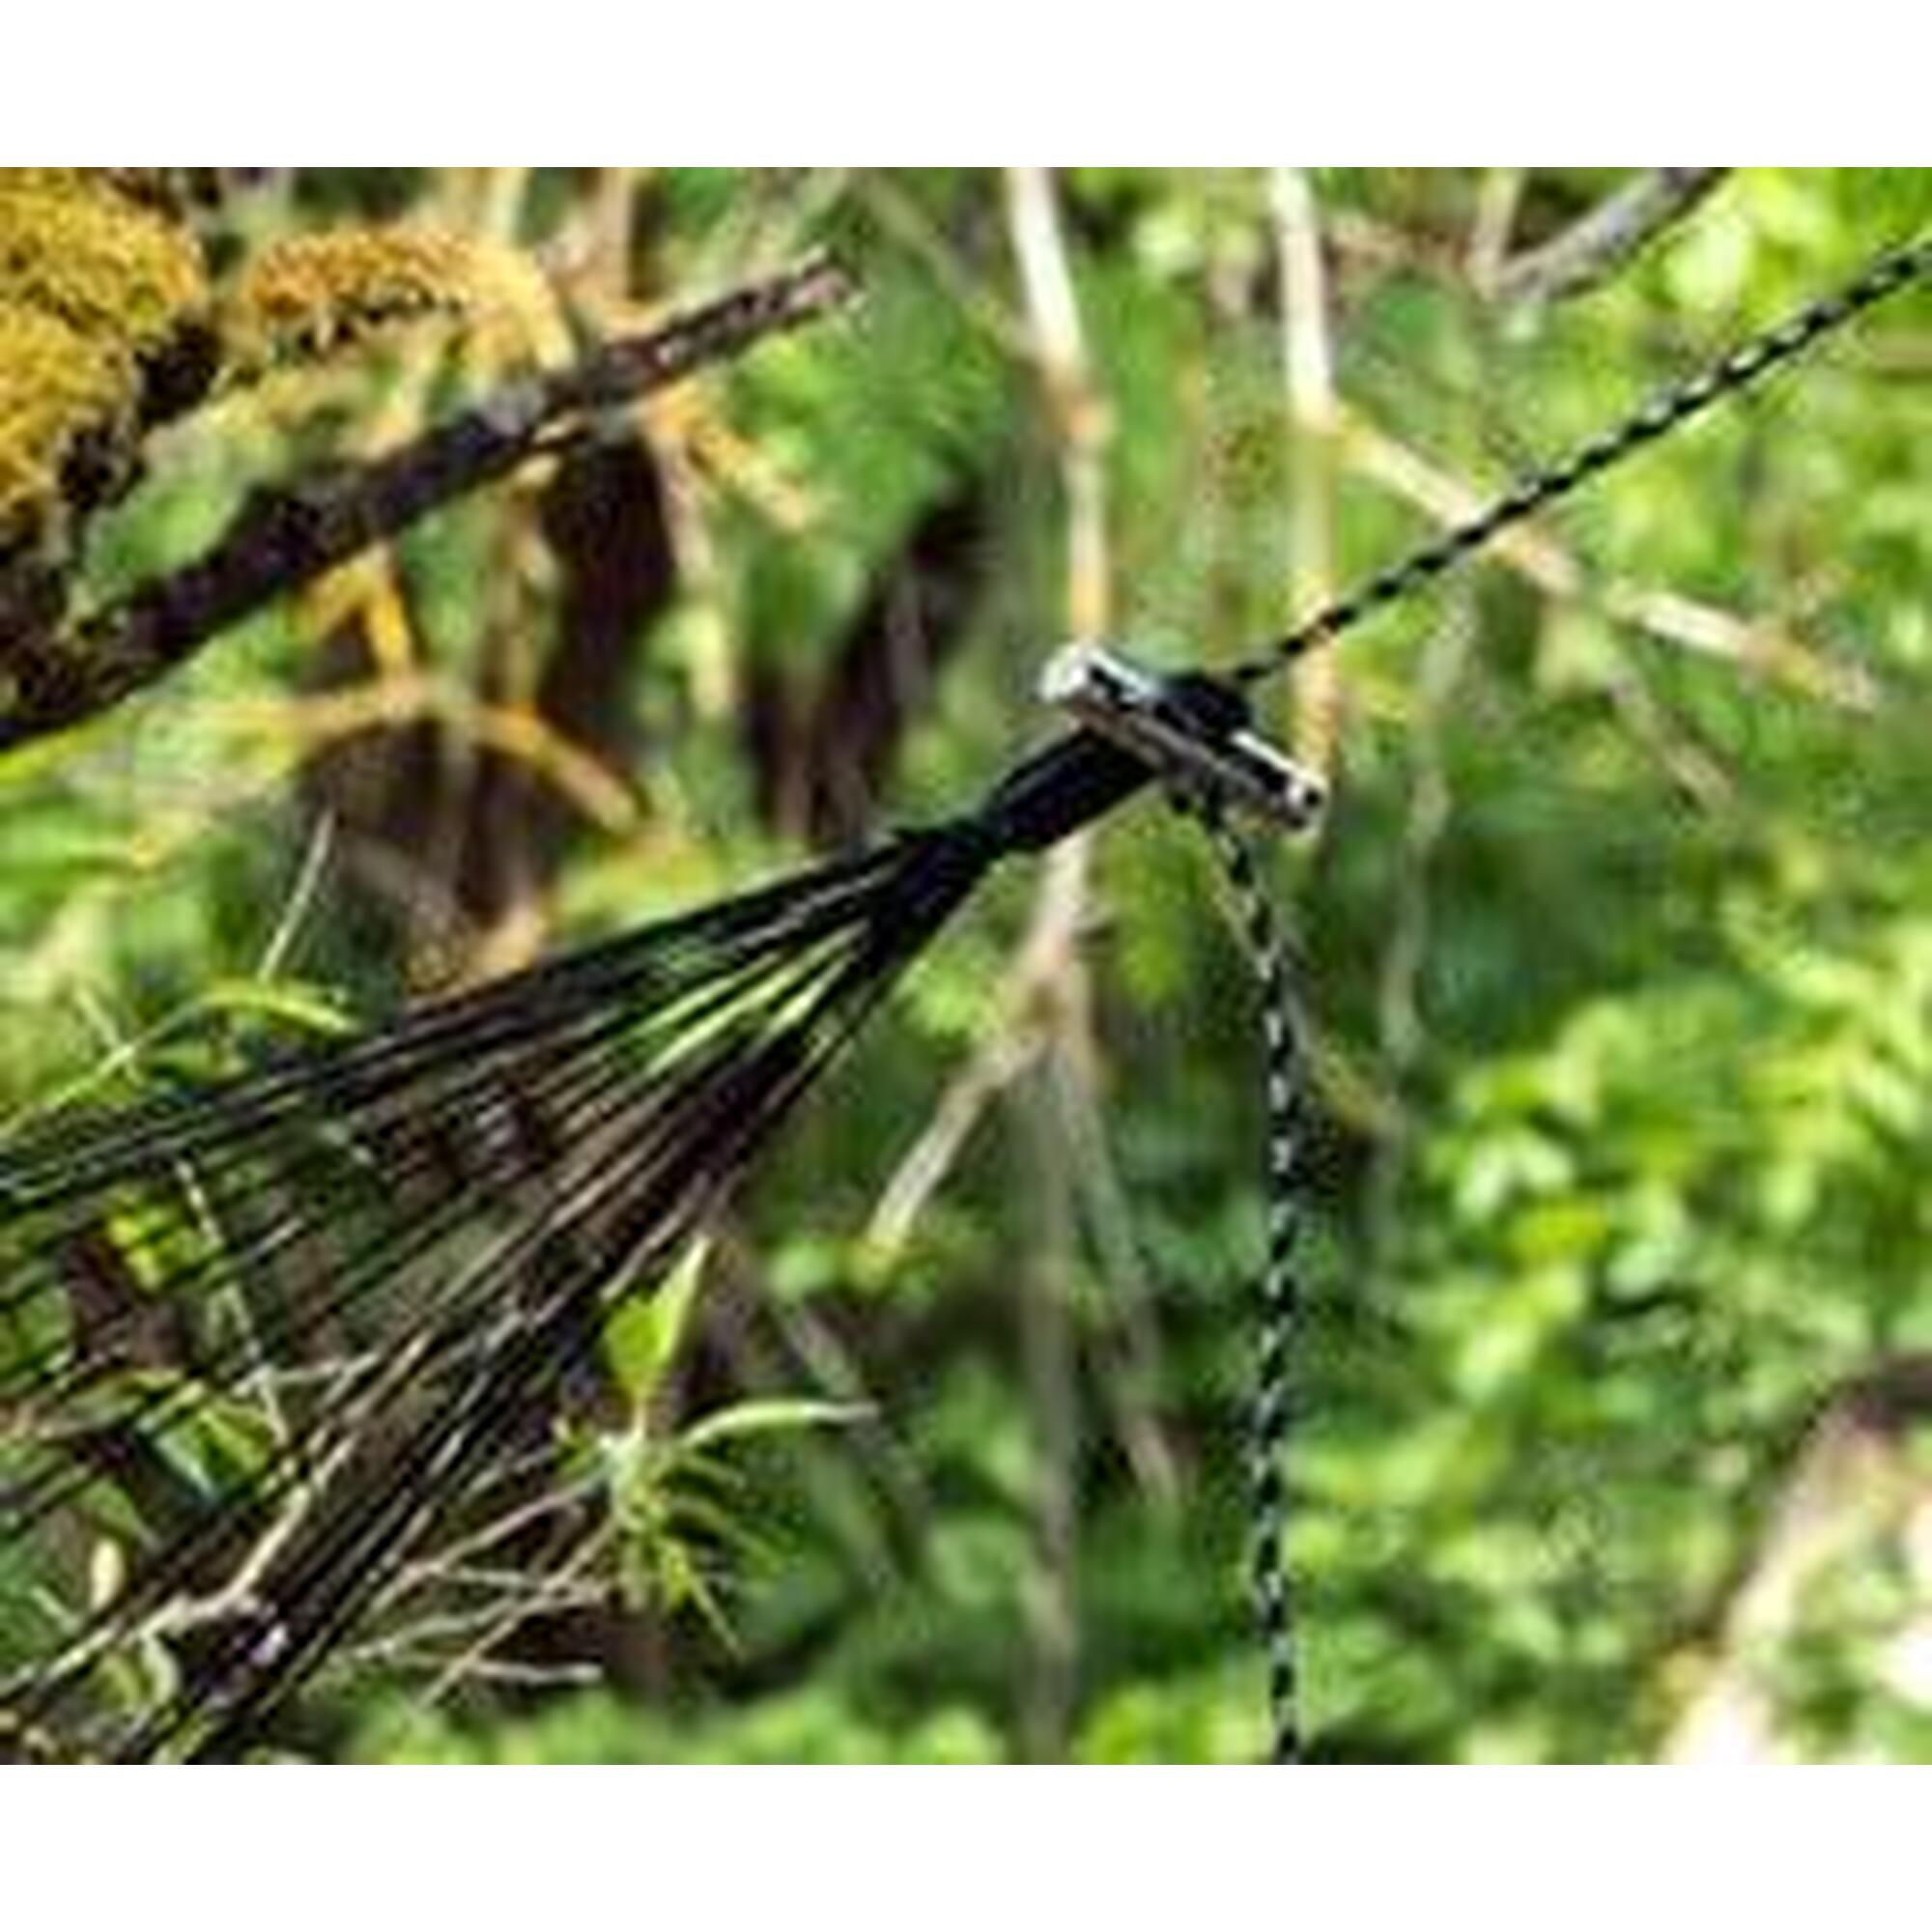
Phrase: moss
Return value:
(77, 248)
(107, 323)
(311, 295)
(95, 290)
(64, 396)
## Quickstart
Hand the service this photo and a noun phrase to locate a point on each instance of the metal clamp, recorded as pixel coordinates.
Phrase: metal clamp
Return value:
(1191, 731)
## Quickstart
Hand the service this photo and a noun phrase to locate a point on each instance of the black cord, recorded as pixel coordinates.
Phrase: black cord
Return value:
(1278, 1314)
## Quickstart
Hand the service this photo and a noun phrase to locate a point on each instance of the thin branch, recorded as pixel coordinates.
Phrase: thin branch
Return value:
(1854, 1482)
(1079, 418)
(1759, 649)
(1690, 765)
(1043, 1289)
(1308, 372)
(480, 1670)
(1079, 415)
(284, 538)
(307, 724)
(300, 901)
(1030, 1011)
(453, 1556)
(1589, 251)
(1498, 196)
(1002, 1058)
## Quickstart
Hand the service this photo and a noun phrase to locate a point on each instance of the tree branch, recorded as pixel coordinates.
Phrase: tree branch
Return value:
(1589, 250)
(1078, 416)
(283, 538)
(1308, 376)
(1853, 1483)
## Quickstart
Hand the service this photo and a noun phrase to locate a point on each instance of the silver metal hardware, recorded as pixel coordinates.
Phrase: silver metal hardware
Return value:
(1151, 716)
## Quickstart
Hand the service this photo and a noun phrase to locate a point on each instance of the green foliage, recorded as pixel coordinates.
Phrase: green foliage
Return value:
(1595, 1246)
(670, 1495)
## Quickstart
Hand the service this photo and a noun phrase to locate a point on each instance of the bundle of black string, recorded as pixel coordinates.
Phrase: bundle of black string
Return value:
(281, 1345)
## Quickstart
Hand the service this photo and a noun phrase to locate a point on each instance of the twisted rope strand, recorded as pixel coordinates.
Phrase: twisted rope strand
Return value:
(1278, 1315)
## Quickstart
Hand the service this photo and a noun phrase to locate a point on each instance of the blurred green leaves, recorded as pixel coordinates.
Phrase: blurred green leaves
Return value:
(1647, 1191)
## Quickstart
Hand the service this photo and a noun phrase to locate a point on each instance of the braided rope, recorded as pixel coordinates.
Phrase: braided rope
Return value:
(1655, 419)
(1279, 1287)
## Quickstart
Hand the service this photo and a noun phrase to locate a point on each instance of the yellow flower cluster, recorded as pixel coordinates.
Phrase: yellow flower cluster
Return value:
(91, 283)
(309, 296)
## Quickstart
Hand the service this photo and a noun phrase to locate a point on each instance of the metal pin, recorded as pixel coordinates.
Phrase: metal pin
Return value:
(1192, 731)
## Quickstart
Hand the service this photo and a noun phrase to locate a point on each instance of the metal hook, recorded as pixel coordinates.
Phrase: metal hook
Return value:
(1191, 729)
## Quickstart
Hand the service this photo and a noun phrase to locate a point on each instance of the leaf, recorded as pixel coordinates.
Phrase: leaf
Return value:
(642, 1332)
(293, 1002)
(768, 1415)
